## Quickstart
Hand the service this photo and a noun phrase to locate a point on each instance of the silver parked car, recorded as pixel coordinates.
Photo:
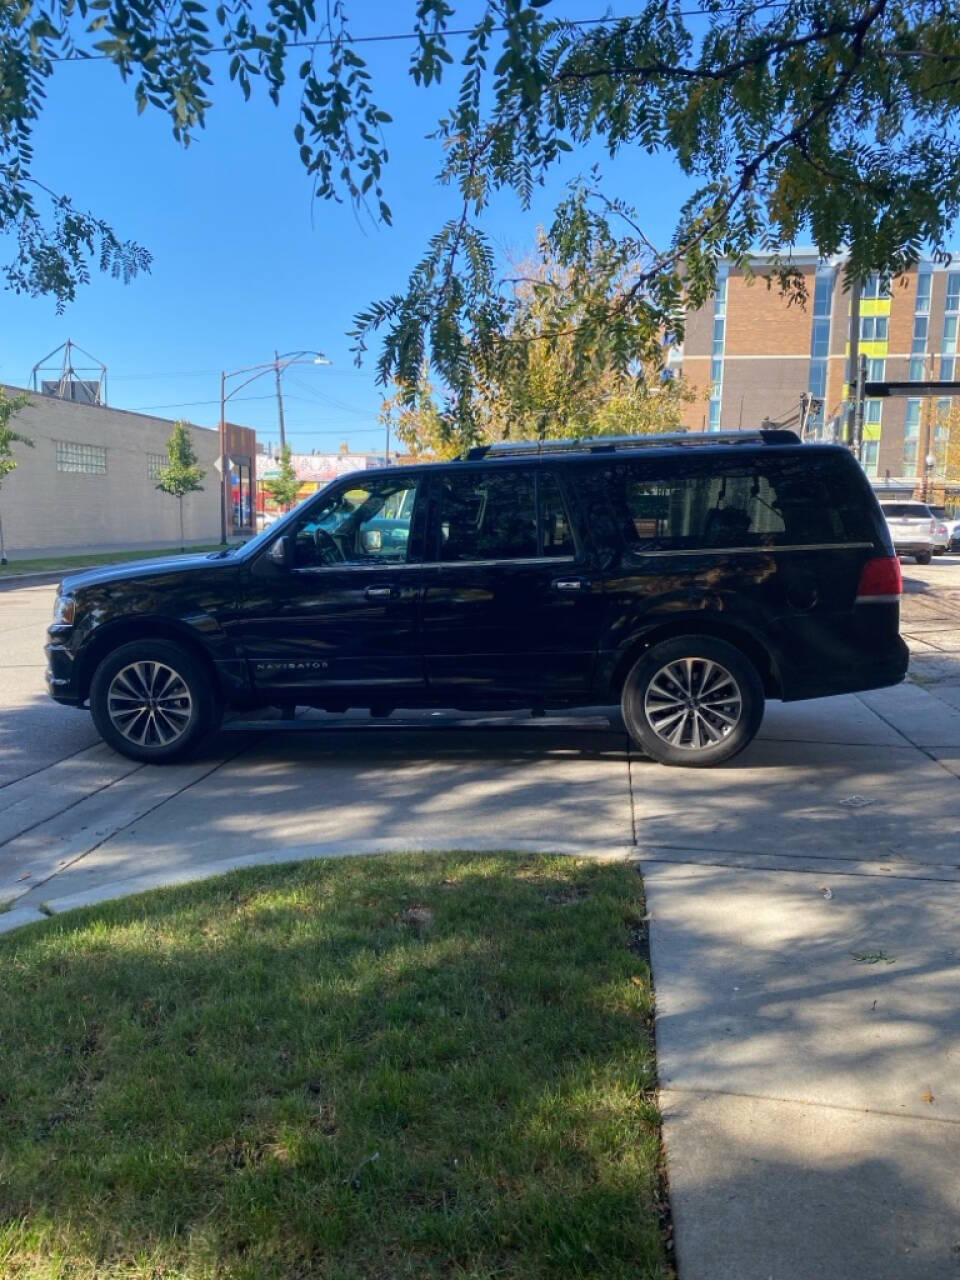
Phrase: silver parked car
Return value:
(912, 526)
(946, 536)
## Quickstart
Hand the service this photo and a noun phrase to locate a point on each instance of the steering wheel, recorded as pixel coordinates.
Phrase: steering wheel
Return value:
(328, 549)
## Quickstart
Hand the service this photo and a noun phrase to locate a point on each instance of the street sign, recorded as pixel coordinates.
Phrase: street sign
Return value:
(881, 389)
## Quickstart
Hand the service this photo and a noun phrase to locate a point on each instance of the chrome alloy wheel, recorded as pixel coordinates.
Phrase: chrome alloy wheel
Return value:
(693, 703)
(149, 704)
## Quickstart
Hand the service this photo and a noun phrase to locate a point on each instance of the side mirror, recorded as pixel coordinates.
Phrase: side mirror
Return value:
(371, 540)
(281, 553)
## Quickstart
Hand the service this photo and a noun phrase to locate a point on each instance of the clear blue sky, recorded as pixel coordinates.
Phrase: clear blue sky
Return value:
(244, 261)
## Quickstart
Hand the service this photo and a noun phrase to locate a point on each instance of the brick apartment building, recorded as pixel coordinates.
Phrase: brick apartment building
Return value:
(751, 356)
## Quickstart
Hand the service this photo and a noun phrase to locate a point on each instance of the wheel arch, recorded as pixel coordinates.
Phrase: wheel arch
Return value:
(127, 629)
(740, 637)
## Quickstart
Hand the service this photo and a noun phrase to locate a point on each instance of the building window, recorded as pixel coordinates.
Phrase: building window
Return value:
(953, 292)
(875, 288)
(949, 335)
(874, 328)
(871, 453)
(946, 368)
(921, 325)
(823, 294)
(873, 411)
(820, 344)
(719, 336)
(917, 370)
(924, 280)
(820, 348)
(875, 370)
(155, 464)
(88, 458)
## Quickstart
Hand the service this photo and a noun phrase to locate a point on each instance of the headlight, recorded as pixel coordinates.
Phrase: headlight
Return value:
(64, 609)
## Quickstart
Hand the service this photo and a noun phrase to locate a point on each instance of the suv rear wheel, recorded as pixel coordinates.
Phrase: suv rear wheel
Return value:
(152, 700)
(693, 701)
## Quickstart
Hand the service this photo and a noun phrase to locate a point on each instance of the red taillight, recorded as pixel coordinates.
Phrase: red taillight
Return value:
(881, 581)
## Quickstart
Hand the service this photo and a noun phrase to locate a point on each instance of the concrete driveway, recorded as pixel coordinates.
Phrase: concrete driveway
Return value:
(803, 901)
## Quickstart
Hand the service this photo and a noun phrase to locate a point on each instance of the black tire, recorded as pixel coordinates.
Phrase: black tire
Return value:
(173, 721)
(653, 686)
(924, 557)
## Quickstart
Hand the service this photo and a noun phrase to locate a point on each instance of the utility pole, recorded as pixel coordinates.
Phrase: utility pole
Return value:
(853, 366)
(806, 399)
(927, 451)
(223, 459)
(276, 369)
(858, 408)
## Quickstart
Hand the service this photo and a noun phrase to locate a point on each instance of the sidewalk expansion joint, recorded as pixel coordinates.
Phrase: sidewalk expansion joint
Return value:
(784, 869)
(698, 1091)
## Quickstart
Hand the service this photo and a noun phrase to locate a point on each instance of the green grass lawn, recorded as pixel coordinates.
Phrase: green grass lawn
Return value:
(54, 564)
(404, 1066)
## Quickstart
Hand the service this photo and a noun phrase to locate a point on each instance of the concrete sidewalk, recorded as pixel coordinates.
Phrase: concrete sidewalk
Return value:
(808, 1027)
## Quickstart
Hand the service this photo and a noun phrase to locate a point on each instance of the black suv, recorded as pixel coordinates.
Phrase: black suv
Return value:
(687, 577)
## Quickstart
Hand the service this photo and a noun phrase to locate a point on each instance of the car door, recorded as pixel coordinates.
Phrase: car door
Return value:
(510, 610)
(341, 617)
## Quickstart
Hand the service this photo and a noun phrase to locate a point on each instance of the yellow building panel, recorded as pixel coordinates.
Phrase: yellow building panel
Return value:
(871, 431)
(872, 350)
(875, 306)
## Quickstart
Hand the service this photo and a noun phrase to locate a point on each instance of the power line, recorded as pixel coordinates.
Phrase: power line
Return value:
(191, 404)
(392, 36)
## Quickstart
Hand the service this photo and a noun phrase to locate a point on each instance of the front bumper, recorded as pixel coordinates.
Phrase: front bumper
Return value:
(61, 673)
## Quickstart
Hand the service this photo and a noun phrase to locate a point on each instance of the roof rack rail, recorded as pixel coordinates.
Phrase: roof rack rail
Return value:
(613, 444)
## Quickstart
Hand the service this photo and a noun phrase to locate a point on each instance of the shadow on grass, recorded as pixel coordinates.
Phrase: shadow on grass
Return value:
(405, 1066)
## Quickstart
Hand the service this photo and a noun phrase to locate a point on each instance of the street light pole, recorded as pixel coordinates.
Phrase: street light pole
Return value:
(853, 366)
(276, 367)
(278, 364)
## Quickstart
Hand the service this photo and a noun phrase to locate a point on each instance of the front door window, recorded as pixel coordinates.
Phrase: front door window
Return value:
(363, 524)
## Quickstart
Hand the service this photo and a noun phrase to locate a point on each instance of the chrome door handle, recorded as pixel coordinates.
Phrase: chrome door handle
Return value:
(570, 584)
(378, 593)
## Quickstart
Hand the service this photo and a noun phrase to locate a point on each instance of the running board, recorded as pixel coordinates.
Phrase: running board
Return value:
(308, 724)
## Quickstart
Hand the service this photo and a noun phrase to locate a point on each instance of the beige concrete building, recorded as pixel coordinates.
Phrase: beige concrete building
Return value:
(750, 356)
(90, 481)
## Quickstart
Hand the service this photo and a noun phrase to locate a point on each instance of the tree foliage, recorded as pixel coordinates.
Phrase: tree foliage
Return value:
(183, 473)
(947, 438)
(833, 120)
(284, 487)
(540, 379)
(9, 408)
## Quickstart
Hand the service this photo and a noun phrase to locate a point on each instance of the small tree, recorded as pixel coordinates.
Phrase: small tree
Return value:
(948, 444)
(183, 473)
(283, 488)
(8, 438)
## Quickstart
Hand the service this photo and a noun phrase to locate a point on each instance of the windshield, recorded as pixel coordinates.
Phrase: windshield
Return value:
(265, 535)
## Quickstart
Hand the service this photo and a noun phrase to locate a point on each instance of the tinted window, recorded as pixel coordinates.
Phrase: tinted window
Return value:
(556, 535)
(901, 509)
(363, 524)
(488, 516)
(710, 503)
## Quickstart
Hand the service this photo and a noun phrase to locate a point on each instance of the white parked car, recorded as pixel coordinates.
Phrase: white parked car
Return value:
(947, 534)
(912, 526)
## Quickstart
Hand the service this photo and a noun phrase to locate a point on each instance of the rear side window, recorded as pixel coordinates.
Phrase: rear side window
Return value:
(900, 510)
(702, 503)
(502, 515)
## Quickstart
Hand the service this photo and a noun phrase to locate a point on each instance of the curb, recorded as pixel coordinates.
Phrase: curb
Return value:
(114, 890)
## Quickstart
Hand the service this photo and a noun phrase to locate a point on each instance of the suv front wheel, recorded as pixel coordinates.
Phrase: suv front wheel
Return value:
(692, 700)
(152, 700)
